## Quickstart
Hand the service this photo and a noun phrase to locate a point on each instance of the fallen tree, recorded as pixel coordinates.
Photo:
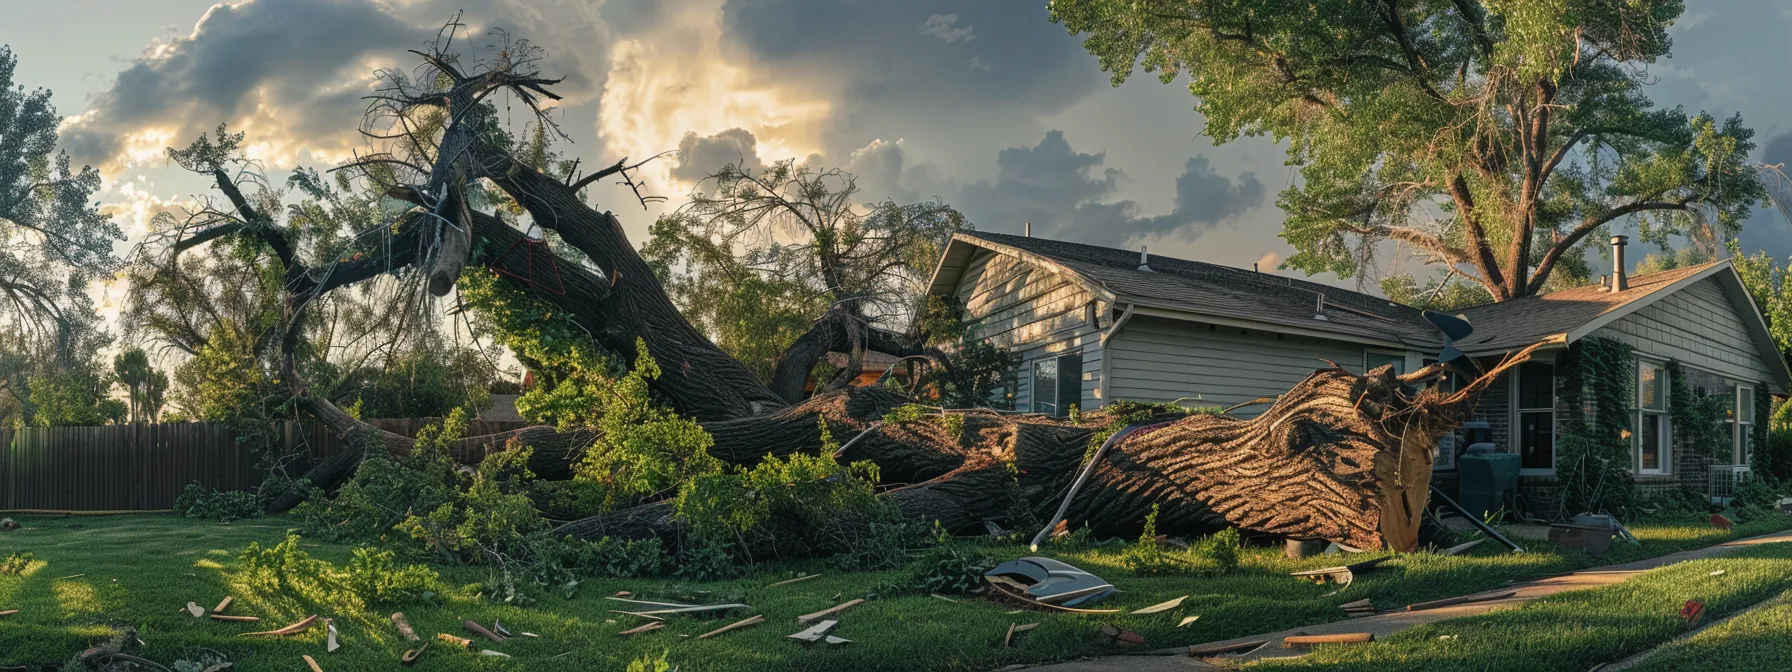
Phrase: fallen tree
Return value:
(1340, 456)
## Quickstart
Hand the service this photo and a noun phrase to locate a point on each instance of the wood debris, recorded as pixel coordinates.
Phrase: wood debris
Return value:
(1014, 629)
(1163, 606)
(312, 664)
(619, 598)
(815, 633)
(194, 609)
(1453, 601)
(1344, 574)
(1340, 638)
(404, 627)
(997, 590)
(528, 634)
(643, 628)
(330, 643)
(222, 605)
(624, 593)
(686, 610)
(756, 620)
(1117, 635)
(498, 627)
(461, 642)
(9, 612)
(236, 619)
(791, 581)
(1187, 620)
(293, 629)
(411, 655)
(1459, 549)
(480, 630)
(830, 611)
(494, 654)
(1203, 650)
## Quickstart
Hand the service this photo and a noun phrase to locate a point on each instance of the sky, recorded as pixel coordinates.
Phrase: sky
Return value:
(982, 104)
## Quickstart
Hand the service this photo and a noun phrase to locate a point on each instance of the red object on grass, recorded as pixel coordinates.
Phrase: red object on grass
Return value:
(1692, 611)
(1719, 521)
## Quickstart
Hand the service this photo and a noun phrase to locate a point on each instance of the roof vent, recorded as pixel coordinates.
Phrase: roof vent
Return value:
(1029, 229)
(1143, 259)
(1619, 283)
(1320, 308)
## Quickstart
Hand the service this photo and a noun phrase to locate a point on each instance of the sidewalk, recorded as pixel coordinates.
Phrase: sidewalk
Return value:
(1388, 623)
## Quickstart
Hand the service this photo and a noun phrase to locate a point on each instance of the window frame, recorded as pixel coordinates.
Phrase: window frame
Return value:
(1741, 433)
(1033, 392)
(1664, 448)
(1400, 366)
(1519, 411)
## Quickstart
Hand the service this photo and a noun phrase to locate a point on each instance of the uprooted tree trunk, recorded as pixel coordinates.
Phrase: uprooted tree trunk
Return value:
(1340, 456)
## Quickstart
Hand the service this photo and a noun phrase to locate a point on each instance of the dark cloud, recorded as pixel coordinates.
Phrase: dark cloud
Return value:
(702, 156)
(1069, 195)
(293, 72)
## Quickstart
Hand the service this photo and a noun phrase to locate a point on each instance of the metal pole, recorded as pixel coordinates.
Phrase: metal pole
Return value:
(1472, 519)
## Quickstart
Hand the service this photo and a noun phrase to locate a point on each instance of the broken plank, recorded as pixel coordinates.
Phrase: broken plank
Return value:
(461, 642)
(288, 630)
(404, 627)
(1164, 606)
(9, 612)
(830, 611)
(686, 610)
(1359, 604)
(756, 620)
(667, 605)
(222, 605)
(1200, 650)
(1016, 629)
(480, 630)
(1340, 638)
(815, 632)
(1453, 601)
(312, 664)
(235, 619)
(643, 628)
(791, 581)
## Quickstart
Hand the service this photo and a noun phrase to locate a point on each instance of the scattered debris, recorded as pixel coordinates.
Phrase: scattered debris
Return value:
(411, 655)
(480, 630)
(643, 628)
(222, 605)
(1011, 640)
(288, 630)
(1117, 635)
(1204, 650)
(1719, 521)
(461, 642)
(9, 612)
(330, 643)
(1459, 549)
(1692, 612)
(1017, 596)
(1594, 540)
(494, 654)
(1717, 572)
(800, 578)
(529, 634)
(830, 611)
(1187, 620)
(685, 610)
(1446, 638)
(236, 619)
(1466, 599)
(1342, 574)
(815, 633)
(1163, 606)
(756, 620)
(404, 627)
(312, 664)
(624, 593)
(1296, 549)
(71, 576)
(8, 524)
(938, 596)
(498, 627)
(1359, 608)
(619, 598)
(194, 609)
(1340, 638)
(1051, 581)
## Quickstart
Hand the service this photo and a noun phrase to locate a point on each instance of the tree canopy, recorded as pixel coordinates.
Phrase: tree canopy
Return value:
(1494, 137)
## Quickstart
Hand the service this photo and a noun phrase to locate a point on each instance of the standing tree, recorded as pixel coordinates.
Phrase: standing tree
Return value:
(144, 386)
(1492, 137)
(53, 238)
(1341, 456)
(783, 266)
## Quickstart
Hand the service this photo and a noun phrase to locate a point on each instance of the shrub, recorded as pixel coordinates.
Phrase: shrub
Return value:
(372, 575)
(1218, 553)
(620, 558)
(198, 501)
(15, 563)
(950, 570)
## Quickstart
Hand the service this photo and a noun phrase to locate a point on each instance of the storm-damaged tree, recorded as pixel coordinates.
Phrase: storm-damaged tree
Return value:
(1340, 456)
(783, 266)
(1494, 138)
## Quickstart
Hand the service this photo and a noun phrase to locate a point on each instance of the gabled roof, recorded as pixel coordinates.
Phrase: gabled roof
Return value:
(1198, 290)
(1558, 316)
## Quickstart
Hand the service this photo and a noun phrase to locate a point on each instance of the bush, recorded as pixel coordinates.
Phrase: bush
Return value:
(379, 579)
(198, 501)
(15, 563)
(1217, 553)
(619, 558)
(950, 570)
(372, 575)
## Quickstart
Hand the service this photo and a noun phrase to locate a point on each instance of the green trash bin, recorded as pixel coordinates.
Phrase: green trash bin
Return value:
(1489, 479)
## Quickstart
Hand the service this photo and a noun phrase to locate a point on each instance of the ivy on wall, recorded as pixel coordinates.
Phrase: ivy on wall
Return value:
(1698, 421)
(1595, 384)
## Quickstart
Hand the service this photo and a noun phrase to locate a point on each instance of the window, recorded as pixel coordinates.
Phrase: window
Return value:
(1537, 415)
(1446, 445)
(1373, 360)
(1653, 437)
(1742, 426)
(1057, 384)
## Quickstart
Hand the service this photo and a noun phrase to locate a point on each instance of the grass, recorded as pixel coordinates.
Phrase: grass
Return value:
(140, 569)
(1759, 639)
(1576, 630)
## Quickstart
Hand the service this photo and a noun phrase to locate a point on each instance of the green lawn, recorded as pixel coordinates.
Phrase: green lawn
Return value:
(141, 569)
(1760, 639)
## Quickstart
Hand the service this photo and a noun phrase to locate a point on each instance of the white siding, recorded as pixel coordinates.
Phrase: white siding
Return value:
(1158, 359)
(1035, 313)
(1700, 327)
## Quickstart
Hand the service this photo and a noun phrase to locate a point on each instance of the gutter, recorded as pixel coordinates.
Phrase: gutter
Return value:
(1125, 316)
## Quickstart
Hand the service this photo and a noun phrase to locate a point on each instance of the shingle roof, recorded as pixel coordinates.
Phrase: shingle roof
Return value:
(1212, 289)
(1521, 322)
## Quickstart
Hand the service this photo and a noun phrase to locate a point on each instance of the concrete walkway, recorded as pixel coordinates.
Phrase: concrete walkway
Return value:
(1388, 623)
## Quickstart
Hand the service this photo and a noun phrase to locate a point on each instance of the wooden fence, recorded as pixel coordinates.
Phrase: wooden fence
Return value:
(143, 467)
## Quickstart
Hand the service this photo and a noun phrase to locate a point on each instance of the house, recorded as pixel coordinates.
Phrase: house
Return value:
(1093, 324)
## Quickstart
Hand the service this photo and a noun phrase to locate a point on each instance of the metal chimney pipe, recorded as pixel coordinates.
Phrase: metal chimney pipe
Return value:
(1619, 283)
(1144, 259)
(1029, 229)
